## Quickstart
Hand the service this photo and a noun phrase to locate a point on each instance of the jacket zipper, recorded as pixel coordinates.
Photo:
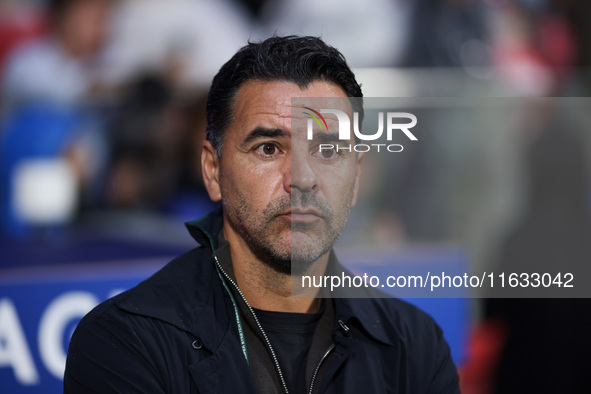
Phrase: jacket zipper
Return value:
(277, 367)
(330, 349)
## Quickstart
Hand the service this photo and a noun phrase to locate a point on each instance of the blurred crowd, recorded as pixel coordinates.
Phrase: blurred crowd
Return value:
(102, 102)
(112, 92)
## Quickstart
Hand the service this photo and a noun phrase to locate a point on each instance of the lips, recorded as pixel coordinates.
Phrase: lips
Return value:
(306, 215)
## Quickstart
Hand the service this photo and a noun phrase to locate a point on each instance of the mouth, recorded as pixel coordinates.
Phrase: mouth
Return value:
(307, 215)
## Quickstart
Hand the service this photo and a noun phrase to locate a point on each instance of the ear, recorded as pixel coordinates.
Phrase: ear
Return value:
(210, 168)
(357, 178)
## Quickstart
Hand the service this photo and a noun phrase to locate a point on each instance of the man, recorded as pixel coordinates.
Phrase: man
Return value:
(221, 318)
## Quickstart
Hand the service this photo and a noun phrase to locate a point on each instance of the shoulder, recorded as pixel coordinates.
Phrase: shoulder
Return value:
(131, 338)
(408, 319)
(115, 313)
(428, 352)
(401, 320)
(420, 342)
(29, 58)
(166, 288)
(35, 49)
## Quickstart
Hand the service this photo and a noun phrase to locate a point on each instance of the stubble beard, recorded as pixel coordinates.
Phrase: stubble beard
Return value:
(269, 236)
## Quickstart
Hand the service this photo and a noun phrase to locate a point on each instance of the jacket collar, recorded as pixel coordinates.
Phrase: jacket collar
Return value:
(207, 229)
(181, 293)
(189, 286)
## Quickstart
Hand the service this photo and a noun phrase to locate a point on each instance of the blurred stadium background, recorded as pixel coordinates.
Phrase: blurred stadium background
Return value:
(102, 106)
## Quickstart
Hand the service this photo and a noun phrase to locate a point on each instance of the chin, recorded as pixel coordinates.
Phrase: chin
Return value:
(293, 261)
(302, 264)
(291, 252)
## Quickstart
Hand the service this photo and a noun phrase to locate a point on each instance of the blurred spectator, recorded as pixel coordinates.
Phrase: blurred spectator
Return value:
(369, 33)
(65, 66)
(190, 39)
(253, 7)
(18, 23)
(46, 124)
(447, 33)
(155, 140)
(535, 46)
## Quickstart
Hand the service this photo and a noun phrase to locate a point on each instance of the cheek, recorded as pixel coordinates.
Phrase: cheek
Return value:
(265, 176)
(255, 187)
(338, 184)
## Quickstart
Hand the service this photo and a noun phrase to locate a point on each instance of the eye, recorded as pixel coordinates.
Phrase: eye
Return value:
(268, 149)
(327, 153)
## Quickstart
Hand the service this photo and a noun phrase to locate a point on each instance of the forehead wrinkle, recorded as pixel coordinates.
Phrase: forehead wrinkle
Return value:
(281, 114)
(271, 101)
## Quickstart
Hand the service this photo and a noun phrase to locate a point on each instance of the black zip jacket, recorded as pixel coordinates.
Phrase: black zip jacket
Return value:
(177, 332)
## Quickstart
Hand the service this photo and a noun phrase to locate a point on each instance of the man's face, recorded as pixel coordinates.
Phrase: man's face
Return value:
(84, 26)
(287, 200)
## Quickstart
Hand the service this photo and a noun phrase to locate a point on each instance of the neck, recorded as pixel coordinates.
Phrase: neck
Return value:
(265, 287)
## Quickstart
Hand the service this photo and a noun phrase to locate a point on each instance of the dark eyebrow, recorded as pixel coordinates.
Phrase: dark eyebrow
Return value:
(261, 132)
(322, 138)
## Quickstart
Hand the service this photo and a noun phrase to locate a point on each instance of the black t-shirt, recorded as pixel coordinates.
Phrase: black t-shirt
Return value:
(291, 335)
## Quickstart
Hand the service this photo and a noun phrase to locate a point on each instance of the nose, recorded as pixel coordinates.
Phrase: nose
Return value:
(300, 174)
